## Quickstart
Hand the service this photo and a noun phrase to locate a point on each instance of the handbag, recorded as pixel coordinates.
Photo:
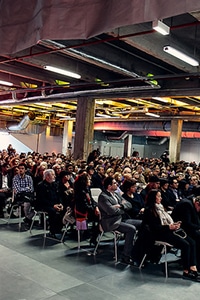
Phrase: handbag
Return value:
(68, 218)
(180, 233)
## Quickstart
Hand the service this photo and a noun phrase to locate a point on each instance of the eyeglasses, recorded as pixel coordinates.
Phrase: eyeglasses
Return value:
(114, 182)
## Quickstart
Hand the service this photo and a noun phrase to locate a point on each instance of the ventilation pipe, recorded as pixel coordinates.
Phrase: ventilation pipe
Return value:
(23, 124)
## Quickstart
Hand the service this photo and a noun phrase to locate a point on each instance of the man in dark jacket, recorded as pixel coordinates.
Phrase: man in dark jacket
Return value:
(48, 200)
(112, 206)
(187, 211)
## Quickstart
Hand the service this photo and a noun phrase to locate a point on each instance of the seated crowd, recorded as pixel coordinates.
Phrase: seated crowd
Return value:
(146, 199)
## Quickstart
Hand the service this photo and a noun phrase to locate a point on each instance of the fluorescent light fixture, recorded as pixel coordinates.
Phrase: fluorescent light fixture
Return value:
(43, 104)
(180, 55)
(103, 115)
(160, 27)
(152, 115)
(62, 71)
(6, 83)
(160, 99)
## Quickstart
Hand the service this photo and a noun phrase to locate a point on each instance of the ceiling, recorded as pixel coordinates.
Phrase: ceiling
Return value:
(125, 70)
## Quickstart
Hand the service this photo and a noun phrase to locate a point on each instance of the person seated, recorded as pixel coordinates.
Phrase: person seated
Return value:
(193, 183)
(23, 191)
(48, 200)
(183, 189)
(38, 177)
(166, 199)
(5, 187)
(154, 183)
(187, 211)
(85, 206)
(112, 208)
(163, 228)
(118, 177)
(141, 178)
(126, 173)
(173, 192)
(98, 177)
(66, 190)
(129, 193)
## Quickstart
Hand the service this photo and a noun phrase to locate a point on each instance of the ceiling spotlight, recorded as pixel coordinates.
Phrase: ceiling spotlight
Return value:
(180, 55)
(63, 72)
(160, 27)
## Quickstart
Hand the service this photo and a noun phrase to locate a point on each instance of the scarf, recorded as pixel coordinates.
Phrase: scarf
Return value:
(165, 218)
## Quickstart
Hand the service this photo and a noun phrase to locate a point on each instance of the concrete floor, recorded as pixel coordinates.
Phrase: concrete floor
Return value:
(59, 271)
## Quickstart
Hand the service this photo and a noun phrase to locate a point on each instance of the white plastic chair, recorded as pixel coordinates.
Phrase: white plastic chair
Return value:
(39, 213)
(164, 251)
(116, 235)
(15, 206)
(95, 192)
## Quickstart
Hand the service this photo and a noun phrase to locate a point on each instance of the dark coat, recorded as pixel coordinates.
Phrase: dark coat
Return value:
(47, 195)
(186, 212)
(84, 203)
(137, 204)
(158, 230)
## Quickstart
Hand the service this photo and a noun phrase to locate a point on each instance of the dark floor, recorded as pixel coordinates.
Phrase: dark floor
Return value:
(59, 271)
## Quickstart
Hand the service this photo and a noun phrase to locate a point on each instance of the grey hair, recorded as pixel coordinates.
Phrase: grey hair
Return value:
(47, 172)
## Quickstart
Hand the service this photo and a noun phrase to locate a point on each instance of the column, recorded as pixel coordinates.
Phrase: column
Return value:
(84, 129)
(128, 145)
(175, 140)
(67, 136)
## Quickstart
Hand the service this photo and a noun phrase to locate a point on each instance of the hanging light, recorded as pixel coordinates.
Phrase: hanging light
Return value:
(62, 71)
(161, 27)
(6, 83)
(152, 115)
(180, 55)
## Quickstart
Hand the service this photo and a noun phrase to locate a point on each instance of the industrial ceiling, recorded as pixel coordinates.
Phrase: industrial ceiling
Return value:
(124, 69)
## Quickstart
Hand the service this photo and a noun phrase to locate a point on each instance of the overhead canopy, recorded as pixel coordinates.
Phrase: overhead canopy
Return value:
(24, 23)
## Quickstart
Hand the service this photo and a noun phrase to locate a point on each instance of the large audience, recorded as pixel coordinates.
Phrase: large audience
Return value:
(146, 199)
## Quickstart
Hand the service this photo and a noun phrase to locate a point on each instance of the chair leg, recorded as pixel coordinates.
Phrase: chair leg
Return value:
(98, 242)
(141, 264)
(33, 220)
(166, 269)
(79, 239)
(11, 212)
(115, 246)
(19, 212)
(20, 215)
(64, 232)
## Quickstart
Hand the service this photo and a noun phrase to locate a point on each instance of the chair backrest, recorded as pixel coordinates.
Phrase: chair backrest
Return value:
(95, 192)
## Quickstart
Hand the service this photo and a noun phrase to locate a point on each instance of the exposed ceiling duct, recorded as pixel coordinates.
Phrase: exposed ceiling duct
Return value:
(23, 124)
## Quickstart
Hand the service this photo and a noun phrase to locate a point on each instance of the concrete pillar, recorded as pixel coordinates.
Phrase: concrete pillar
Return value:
(128, 145)
(84, 129)
(67, 136)
(175, 140)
